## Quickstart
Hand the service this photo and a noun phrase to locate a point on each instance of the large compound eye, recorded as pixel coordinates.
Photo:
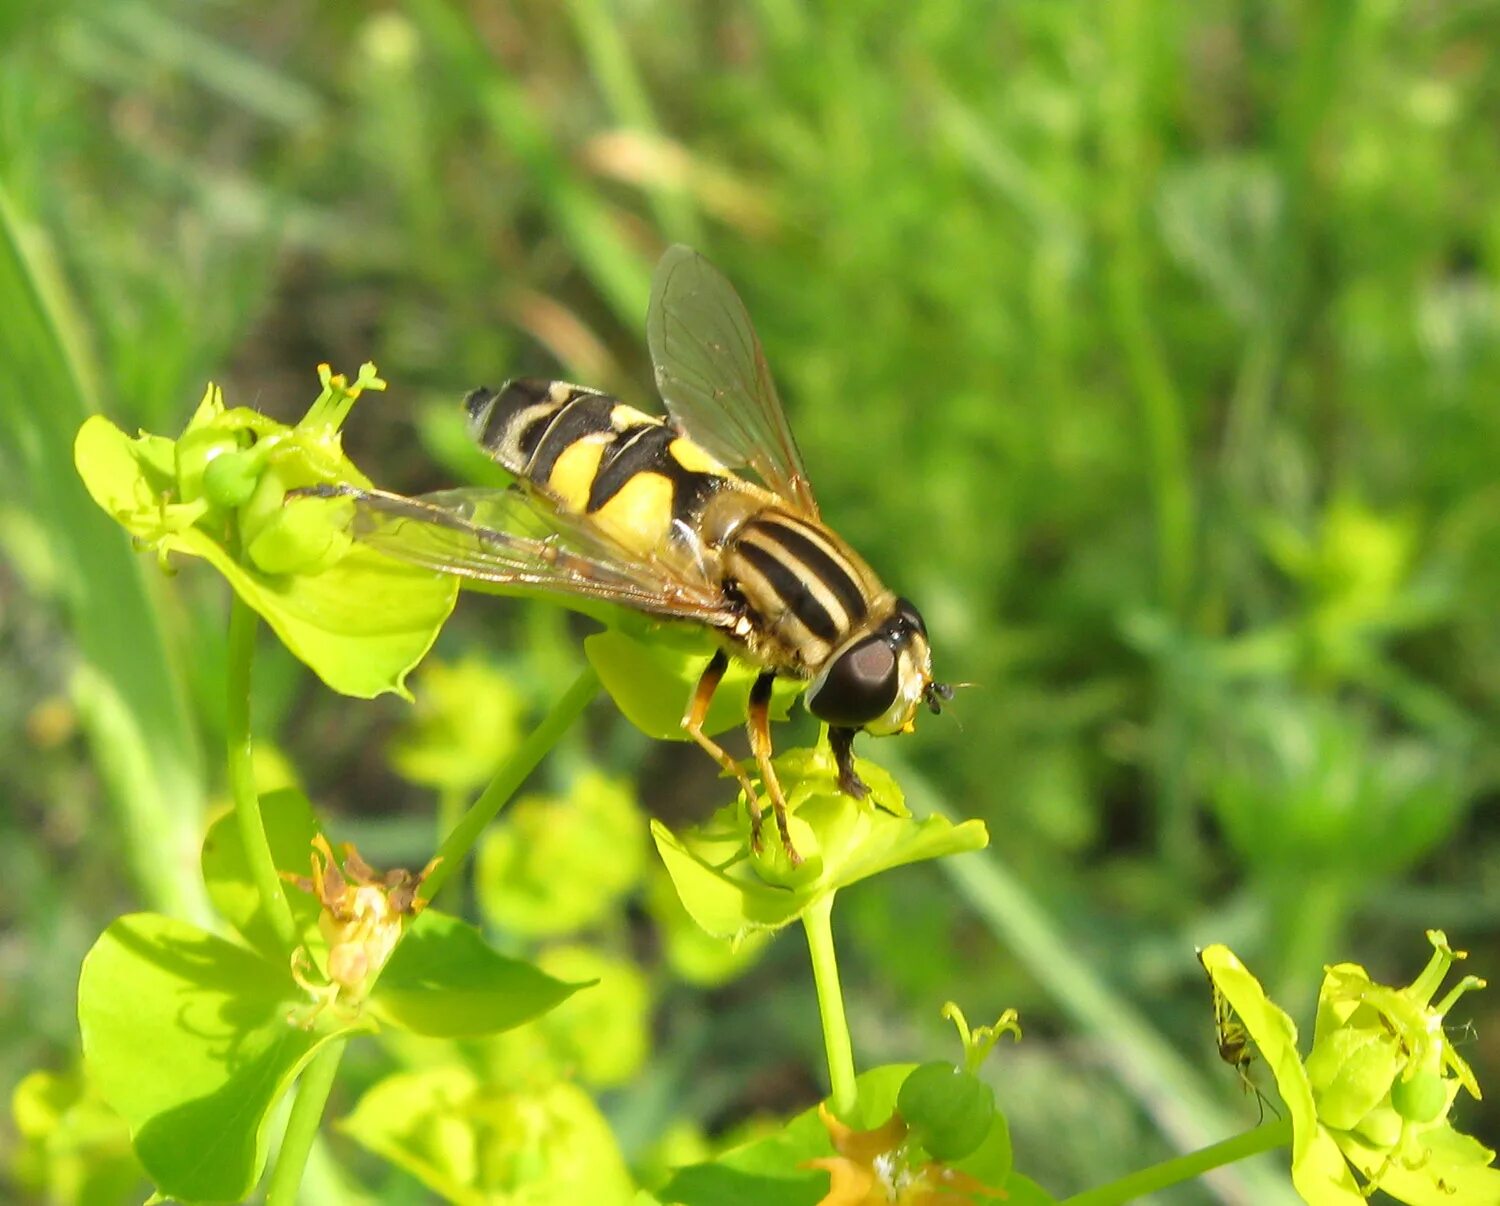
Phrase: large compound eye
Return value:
(858, 686)
(910, 616)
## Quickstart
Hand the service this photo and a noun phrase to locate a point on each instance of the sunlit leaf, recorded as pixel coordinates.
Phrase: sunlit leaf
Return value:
(190, 1038)
(652, 683)
(842, 841)
(290, 829)
(444, 980)
(360, 621)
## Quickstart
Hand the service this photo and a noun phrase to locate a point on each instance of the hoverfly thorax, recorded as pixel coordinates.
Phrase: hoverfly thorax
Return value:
(878, 679)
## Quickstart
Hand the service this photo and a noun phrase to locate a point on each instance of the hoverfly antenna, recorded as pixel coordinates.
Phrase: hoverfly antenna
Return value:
(937, 694)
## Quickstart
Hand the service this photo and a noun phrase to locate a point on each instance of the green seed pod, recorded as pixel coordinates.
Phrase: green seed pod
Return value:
(229, 480)
(772, 862)
(196, 452)
(949, 1110)
(1421, 1094)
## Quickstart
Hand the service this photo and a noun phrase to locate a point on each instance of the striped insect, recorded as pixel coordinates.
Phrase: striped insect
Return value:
(703, 516)
(1236, 1047)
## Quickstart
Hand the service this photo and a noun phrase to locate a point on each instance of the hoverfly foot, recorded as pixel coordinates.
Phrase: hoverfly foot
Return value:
(841, 741)
(786, 843)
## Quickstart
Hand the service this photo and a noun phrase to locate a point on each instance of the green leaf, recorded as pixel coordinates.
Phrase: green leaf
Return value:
(771, 1171)
(652, 682)
(1451, 1169)
(360, 626)
(189, 1038)
(992, 1161)
(329, 619)
(290, 828)
(842, 841)
(477, 1146)
(124, 678)
(443, 980)
(1319, 1170)
(1023, 1191)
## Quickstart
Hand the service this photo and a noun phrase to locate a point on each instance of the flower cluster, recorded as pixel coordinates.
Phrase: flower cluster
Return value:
(1370, 1107)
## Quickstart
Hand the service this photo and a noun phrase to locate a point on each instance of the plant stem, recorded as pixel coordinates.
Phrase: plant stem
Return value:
(817, 920)
(242, 625)
(510, 777)
(1149, 1067)
(302, 1125)
(1263, 1138)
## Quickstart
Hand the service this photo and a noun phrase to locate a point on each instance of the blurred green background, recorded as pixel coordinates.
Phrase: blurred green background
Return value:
(1152, 349)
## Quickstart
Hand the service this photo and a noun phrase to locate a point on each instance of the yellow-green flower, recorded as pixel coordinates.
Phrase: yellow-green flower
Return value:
(1369, 1109)
(872, 1169)
(227, 491)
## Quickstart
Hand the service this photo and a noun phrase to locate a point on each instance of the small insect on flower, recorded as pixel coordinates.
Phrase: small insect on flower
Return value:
(1236, 1047)
(652, 513)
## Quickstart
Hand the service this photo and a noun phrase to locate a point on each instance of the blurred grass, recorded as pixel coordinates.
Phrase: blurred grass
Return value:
(128, 697)
(1151, 349)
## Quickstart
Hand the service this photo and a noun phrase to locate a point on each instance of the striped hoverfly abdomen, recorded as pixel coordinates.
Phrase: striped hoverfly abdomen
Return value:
(703, 516)
(629, 474)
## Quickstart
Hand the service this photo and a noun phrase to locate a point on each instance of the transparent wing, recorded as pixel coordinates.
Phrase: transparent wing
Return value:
(713, 376)
(506, 538)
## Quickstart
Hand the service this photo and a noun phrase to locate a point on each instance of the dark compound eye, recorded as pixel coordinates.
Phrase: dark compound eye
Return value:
(910, 616)
(859, 685)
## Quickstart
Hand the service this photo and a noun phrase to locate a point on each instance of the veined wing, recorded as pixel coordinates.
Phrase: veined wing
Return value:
(712, 374)
(505, 538)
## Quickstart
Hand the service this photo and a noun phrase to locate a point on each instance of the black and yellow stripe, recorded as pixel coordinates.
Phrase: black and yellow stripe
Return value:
(657, 494)
(641, 482)
(799, 579)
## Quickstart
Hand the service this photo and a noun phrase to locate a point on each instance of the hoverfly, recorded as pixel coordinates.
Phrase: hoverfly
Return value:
(652, 513)
(1236, 1047)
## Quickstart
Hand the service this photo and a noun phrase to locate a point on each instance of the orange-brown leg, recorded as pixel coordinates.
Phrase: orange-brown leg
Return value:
(759, 724)
(692, 725)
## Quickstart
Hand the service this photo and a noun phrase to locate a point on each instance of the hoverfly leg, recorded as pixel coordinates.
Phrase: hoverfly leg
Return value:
(759, 724)
(692, 725)
(841, 741)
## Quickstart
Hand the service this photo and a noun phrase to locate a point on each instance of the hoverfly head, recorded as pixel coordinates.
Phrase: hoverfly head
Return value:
(877, 680)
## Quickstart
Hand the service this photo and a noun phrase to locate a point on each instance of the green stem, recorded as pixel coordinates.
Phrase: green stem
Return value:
(1149, 1067)
(817, 920)
(450, 810)
(1263, 1138)
(302, 1125)
(505, 784)
(242, 624)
